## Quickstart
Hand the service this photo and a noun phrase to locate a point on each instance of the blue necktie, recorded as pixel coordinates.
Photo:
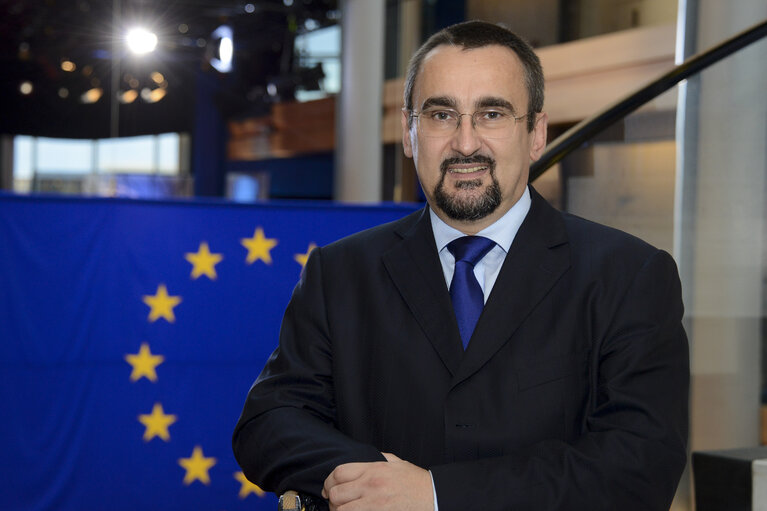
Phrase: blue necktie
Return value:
(468, 299)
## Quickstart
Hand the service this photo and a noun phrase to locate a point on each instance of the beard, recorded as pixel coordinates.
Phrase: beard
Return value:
(472, 207)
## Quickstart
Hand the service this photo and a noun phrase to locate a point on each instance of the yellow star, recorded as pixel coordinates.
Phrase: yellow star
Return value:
(302, 258)
(156, 423)
(247, 487)
(258, 247)
(203, 262)
(144, 363)
(197, 467)
(161, 304)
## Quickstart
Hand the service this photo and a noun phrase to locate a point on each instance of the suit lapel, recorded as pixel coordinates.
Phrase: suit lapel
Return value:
(415, 268)
(537, 258)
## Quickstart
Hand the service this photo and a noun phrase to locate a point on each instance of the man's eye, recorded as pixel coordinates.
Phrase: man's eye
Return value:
(442, 115)
(492, 115)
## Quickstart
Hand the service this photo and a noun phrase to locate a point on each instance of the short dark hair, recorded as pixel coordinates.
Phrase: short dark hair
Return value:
(477, 34)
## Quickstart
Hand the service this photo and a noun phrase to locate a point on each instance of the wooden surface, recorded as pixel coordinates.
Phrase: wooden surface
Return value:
(291, 129)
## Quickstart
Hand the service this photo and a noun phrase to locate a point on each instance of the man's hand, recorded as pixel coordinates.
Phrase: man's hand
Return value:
(393, 485)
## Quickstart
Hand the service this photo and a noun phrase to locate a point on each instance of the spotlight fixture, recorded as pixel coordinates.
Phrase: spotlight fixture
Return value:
(141, 41)
(222, 38)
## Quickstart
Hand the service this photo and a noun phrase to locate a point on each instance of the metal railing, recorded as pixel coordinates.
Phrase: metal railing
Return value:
(582, 132)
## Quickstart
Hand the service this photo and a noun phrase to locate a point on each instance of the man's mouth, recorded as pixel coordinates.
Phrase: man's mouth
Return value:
(467, 170)
(465, 166)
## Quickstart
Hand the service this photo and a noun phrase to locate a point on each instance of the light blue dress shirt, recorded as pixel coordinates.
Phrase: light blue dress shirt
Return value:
(502, 232)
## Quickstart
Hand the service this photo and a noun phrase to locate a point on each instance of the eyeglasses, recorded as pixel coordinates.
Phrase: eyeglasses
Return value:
(495, 122)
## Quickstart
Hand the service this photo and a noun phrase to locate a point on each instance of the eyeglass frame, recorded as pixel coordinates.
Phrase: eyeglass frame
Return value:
(460, 115)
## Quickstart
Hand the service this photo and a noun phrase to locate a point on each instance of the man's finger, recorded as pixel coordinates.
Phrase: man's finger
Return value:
(345, 493)
(343, 474)
(346, 472)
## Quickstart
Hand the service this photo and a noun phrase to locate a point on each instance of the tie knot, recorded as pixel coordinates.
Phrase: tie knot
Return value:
(470, 249)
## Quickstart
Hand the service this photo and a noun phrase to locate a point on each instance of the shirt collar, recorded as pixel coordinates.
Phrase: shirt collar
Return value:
(502, 231)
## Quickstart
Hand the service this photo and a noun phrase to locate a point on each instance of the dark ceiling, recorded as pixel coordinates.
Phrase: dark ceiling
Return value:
(36, 36)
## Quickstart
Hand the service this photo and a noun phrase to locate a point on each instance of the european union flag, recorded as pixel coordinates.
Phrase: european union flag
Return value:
(130, 333)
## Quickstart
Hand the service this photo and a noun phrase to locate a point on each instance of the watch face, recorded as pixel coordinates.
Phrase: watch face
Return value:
(290, 501)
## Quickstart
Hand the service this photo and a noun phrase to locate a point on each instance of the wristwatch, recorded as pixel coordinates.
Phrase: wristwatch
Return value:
(294, 501)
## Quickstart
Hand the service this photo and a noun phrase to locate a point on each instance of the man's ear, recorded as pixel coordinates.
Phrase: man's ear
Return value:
(407, 145)
(538, 136)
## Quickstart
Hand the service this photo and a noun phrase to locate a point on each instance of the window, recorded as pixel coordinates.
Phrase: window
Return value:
(322, 46)
(93, 166)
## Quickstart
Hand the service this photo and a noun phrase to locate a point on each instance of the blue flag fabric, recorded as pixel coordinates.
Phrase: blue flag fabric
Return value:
(130, 333)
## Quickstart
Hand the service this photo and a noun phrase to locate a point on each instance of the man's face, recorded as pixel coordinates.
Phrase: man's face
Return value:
(470, 180)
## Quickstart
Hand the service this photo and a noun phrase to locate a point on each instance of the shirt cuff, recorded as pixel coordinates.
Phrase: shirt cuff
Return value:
(434, 492)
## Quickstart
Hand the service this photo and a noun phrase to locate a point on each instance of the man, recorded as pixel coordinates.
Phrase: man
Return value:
(568, 392)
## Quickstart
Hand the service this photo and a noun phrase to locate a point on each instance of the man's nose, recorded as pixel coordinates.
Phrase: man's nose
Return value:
(466, 140)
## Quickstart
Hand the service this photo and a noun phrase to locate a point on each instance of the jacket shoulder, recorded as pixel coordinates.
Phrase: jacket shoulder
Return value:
(376, 239)
(582, 231)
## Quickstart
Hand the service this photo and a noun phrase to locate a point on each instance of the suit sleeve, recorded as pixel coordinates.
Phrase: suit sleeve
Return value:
(633, 449)
(286, 438)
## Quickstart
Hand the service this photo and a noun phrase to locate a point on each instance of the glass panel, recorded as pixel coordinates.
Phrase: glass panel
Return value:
(168, 153)
(63, 156)
(22, 164)
(130, 155)
(22, 157)
(322, 47)
(691, 178)
(626, 178)
(59, 165)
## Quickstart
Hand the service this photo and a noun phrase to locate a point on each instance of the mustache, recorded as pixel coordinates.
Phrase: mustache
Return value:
(467, 160)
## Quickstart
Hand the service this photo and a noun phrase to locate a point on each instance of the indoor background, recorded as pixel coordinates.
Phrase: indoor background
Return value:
(261, 104)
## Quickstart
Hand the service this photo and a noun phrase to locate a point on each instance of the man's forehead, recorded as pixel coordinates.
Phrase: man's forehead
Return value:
(457, 51)
(493, 70)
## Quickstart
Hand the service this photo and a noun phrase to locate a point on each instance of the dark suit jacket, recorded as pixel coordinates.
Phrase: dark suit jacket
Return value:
(572, 393)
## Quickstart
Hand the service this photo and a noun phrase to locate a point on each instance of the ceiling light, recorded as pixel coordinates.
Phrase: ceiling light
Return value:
(152, 95)
(128, 96)
(141, 41)
(92, 95)
(26, 88)
(68, 66)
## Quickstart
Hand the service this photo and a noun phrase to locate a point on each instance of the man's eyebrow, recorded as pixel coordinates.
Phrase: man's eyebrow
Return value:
(442, 101)
(492, 101)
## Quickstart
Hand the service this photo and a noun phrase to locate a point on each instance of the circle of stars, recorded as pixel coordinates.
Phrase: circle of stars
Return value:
(144, 364)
